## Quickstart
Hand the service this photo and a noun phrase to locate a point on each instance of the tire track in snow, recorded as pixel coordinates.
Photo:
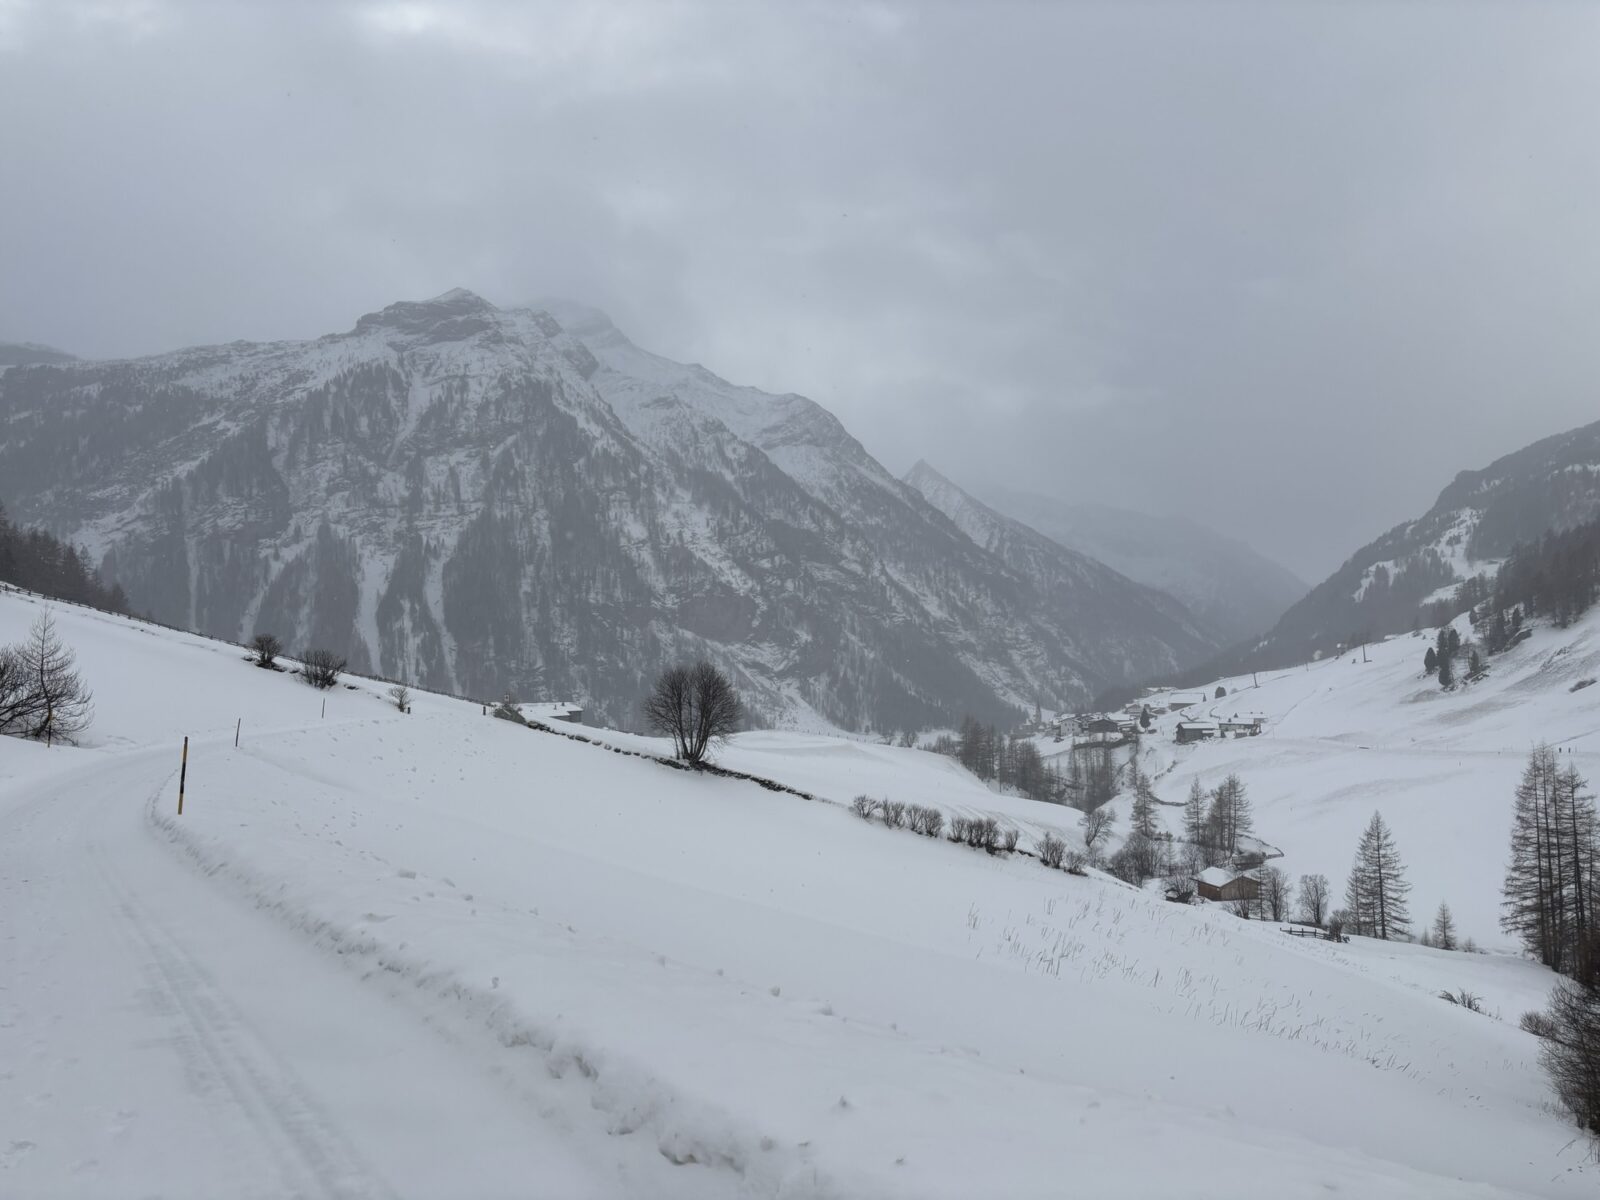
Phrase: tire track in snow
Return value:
(219, 1044)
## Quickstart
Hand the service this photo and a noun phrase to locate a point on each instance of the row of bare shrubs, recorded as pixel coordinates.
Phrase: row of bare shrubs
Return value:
(929, 822)
(980, 833)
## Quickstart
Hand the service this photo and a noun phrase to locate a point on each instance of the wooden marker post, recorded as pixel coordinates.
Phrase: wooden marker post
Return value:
(183, 775)
(237, 726)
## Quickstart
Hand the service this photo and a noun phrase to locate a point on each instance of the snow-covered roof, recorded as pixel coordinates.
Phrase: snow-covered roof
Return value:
(1197, 724)
(1217, 876)
(554, 709)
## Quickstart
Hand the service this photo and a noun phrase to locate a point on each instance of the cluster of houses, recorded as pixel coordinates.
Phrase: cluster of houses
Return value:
(1114, 729)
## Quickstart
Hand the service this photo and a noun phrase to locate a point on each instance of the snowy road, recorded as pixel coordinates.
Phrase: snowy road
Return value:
(157, 1035)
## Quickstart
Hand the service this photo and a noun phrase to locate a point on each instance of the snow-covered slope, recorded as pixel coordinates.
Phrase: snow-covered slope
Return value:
(443, 954)
(1552, 484)
(1226, 585)
(1350, 734)
(468, 498)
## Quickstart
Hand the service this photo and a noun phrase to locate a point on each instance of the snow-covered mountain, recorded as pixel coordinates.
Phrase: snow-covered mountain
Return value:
(1229, 587)
(1552, 484)
(1066, 580)
(478, 499)
(18, 354)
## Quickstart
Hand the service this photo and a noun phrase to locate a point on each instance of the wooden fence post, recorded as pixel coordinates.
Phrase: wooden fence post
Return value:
(183, 775)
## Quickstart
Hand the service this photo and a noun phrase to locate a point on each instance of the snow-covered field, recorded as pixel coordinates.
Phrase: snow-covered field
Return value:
(444, 955)
(1346, 736)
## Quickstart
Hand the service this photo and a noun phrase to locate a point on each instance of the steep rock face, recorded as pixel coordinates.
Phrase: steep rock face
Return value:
(1020, 607)
(476, 499)
(1552, 484)
(1230, 589)
(1102, 604)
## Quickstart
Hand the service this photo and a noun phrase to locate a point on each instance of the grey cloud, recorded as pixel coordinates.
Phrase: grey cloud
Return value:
(1284, 268)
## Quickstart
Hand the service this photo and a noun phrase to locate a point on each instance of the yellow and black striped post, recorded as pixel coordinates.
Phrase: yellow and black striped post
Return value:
(183, 775)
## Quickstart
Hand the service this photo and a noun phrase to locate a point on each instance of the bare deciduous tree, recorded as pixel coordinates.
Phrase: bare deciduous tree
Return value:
(1052, 850)
(1096, 824)
(321, 668)
(1314, 897)
(696, 706)
(401, 695)
(1275, 891)
(266, 648)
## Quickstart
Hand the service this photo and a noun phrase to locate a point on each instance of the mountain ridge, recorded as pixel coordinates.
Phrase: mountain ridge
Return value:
(475, 499)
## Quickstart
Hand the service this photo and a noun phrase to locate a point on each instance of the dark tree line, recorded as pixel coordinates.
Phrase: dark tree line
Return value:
(1011, 762)
(1556, 577)
(33, 559)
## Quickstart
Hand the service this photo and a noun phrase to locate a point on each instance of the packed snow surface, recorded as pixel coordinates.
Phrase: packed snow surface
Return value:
(440, 954)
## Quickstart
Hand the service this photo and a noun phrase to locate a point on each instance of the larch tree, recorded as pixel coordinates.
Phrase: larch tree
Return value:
(1229, 816)
(1378, 889)
(1194, 814)
(1142, 816)
(62, 704)
(1444, 928)
(1549, 895)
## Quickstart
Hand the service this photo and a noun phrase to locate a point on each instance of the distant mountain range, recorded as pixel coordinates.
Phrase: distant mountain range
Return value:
(481, 499)
(1552, 484)
(1232, 590)
(21, 354)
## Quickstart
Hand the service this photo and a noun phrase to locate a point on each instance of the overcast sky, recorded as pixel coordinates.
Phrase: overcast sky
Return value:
(1283, 268)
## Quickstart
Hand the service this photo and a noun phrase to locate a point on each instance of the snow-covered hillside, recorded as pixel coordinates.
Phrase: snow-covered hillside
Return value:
(1368, 730)
(441, 954)
(1553, 484)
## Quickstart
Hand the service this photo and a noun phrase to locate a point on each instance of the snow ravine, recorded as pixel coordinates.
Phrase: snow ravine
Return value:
(443, 955)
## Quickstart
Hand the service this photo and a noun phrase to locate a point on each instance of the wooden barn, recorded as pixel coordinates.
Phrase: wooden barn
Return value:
(1220, 883)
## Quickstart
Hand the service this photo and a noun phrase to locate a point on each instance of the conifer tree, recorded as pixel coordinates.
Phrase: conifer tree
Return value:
(1430, 661)
(1143, 814)
(1194, 814)
(1444, 928)
(1376, 894)
(62, 702)
(1550, 885)
(1230, 813)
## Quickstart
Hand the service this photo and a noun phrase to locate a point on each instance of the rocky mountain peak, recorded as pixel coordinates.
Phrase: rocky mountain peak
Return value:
(449, 316)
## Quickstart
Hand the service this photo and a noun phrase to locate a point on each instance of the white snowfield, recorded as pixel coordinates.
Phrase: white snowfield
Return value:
(1345, 737)
(444, 955)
